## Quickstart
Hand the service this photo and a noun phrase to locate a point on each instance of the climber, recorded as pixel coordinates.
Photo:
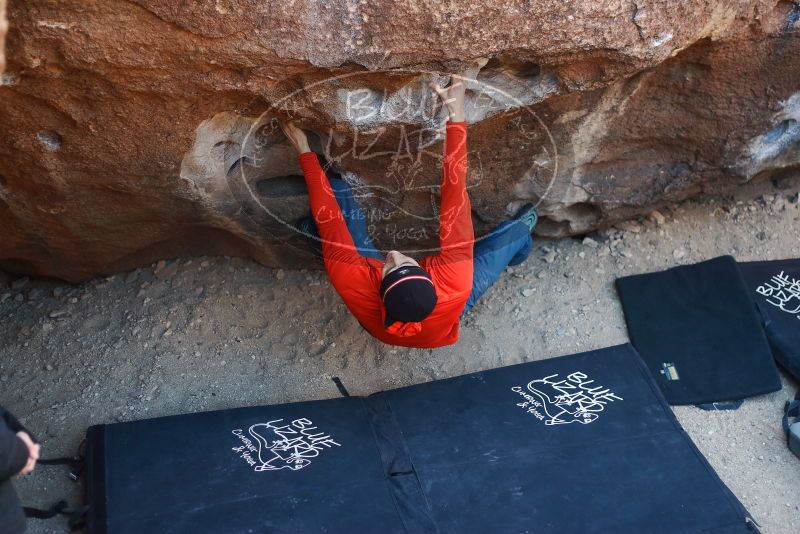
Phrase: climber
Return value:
(397, 299)
(19, 453)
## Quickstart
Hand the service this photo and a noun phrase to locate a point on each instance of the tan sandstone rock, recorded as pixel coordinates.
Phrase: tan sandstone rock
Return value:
(146, 129)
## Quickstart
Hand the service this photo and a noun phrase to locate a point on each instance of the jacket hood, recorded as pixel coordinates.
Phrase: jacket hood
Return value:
(404, 329)
(398, 328)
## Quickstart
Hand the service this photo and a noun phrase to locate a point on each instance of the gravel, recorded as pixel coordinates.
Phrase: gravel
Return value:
(213, 333)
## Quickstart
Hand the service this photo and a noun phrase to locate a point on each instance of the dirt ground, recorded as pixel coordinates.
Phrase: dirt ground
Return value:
(209, 333)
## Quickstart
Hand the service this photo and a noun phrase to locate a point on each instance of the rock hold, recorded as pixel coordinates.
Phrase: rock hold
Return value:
(165, 271)
(657, 217)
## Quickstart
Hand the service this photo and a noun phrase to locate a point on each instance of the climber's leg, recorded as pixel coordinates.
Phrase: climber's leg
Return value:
(354, 217)
(508, 244)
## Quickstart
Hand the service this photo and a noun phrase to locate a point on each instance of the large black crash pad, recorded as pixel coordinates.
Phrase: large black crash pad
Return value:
(699, 332)
(582, 443)
(775, 287)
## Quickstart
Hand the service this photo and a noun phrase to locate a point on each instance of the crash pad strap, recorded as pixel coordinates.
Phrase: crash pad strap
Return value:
(75, 463)
(342, 390)
(723, 405)
(77, 517)
(38, 513)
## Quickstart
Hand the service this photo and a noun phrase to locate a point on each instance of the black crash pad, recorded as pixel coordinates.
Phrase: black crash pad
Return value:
(699, 332)
(582, 443)
(775, 287)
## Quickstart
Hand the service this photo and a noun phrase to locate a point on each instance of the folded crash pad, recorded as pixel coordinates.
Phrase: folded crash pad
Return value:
(775, 287)
(578, 443)
(699, 332)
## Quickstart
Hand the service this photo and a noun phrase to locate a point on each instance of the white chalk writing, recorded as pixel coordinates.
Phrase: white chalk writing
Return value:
(783, 292)
(574, 399)
(276, 446)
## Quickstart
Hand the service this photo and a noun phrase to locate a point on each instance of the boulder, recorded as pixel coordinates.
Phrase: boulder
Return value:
(147, 129)
(3, 31)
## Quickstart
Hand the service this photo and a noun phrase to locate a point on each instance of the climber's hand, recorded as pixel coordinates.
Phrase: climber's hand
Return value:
(33, 452)
(453, 96)
(296, 136)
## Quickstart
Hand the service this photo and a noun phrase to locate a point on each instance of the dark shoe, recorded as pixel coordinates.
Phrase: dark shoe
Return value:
(527, 214)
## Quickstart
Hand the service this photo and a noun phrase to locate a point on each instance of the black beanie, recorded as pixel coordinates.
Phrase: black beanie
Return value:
(408, 294)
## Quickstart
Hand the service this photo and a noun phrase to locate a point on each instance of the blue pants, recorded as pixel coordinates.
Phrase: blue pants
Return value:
(509, 243)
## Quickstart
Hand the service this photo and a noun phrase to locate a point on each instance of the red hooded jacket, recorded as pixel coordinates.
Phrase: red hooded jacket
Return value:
(357, 279)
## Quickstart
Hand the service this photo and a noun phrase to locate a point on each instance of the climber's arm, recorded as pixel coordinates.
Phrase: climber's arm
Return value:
(455, 220)
(338, 248)
(337, 243)
(456, 235)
